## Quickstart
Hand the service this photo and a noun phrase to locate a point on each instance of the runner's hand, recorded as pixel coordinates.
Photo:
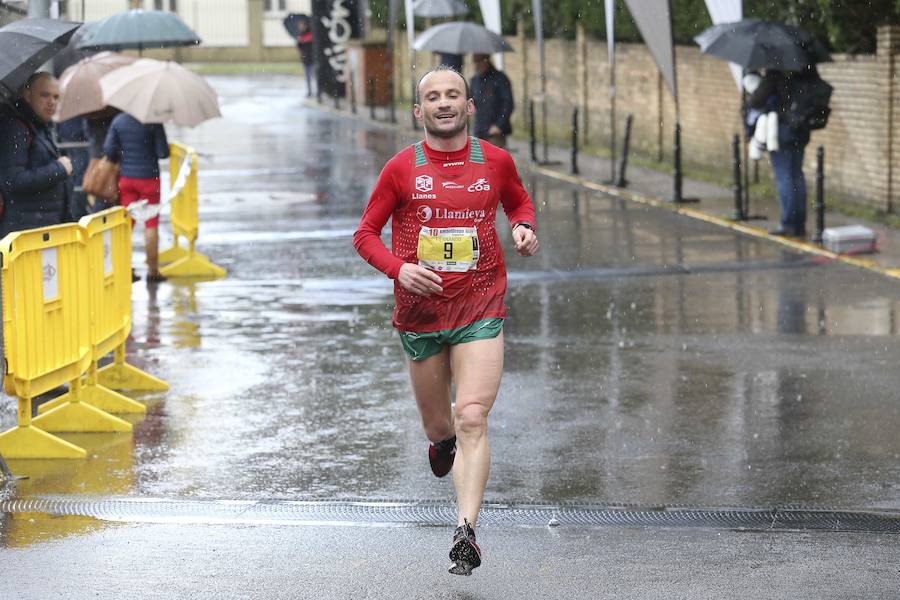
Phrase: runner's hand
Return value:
(526, 241)
(419, 280)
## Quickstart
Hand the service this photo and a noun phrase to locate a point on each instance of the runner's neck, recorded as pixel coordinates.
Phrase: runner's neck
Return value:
(441, 155)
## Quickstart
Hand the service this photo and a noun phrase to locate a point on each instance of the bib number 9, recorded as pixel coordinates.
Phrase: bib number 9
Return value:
(448, 249)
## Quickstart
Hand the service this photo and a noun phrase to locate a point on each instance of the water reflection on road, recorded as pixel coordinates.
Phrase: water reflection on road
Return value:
(651, 359)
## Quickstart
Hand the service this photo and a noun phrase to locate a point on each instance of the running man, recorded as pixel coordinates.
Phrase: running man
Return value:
(449, 282)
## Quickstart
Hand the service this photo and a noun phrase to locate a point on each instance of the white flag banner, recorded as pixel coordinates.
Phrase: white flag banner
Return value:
(537, 15)
(727, 11)
(611, 44)
(490, 13)
(410, 24)
(654, 20)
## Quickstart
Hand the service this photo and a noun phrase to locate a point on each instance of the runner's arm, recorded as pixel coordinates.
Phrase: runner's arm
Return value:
(383, 201)
(516, 203)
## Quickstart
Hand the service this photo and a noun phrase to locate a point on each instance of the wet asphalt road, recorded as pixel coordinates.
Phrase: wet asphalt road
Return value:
(651, 360)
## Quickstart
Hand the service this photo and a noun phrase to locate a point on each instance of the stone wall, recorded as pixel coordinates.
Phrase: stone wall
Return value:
(861, 141)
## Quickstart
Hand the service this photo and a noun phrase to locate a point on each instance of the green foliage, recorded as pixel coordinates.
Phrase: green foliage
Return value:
(844, 25)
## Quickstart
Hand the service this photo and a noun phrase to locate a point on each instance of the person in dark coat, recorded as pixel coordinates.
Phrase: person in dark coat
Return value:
(493, 97)
(138, 148)
(774, 92)
(35, 179)
(306, 46)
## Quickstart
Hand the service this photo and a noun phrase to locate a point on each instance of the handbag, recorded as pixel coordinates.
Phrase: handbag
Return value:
(102, 179)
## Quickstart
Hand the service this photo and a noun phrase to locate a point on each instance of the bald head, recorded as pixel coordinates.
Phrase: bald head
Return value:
(441, 70)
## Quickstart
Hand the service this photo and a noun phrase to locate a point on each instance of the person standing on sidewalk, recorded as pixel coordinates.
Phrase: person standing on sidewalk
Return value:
(138, 149)
(449, 282)
(307, 48)
(787, 161)
(35, 179)
(493, 97)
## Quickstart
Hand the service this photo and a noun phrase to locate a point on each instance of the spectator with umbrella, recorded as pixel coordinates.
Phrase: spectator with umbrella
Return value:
(35, 179)
(790, 88)
(150, 93)
(298, 26)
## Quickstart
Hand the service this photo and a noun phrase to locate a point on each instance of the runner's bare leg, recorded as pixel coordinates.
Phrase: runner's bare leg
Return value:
(430, 380)
(477, 368)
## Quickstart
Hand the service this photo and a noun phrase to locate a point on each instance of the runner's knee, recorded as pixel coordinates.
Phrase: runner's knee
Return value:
(471, 418)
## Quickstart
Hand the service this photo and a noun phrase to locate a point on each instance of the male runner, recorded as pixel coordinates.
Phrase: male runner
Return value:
(449, 282)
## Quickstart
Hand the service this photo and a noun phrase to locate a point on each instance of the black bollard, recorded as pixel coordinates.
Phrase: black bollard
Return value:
(532, 133)
(371, 95)
(820, 195)
(676, 195)
(352, 92)
(623, 160)
(575, 141)
(738, 182)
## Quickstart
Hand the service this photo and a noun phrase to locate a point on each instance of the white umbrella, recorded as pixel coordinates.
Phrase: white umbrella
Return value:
(154, 91)
(459, 37)
(80, 84)
(439, 8)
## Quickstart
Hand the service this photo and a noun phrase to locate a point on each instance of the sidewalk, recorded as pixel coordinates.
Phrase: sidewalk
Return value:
(645, 185)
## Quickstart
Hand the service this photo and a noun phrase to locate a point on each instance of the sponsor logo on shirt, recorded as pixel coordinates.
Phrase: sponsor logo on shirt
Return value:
(426, 213)
(481, 185)
(424, 183)
(455, 164)
(451, 185)
(424, 196)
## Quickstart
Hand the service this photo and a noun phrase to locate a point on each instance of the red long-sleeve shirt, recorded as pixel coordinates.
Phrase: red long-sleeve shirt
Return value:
(439, 192)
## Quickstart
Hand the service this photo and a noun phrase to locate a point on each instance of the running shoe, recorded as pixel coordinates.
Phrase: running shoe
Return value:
(465, 553)
(441, 455)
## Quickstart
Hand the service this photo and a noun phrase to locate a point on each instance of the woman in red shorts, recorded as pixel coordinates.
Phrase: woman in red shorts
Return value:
(138, 148)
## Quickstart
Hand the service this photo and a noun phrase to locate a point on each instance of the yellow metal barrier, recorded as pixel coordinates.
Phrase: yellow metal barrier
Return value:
(185, 219)
(47, 339)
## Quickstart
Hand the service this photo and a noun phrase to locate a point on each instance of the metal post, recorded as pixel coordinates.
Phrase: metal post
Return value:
(738, 182)
(391, 108)
(620, 180)
(352, 91)
(337, 101)
(575, 141)
(532, 132)
(371, 95)
(820, 195)
(676, 196)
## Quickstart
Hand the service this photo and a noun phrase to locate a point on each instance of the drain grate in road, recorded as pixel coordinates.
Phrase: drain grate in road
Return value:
(424, 513)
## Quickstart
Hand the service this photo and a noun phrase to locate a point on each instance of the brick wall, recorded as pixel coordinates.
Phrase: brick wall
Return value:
(861, 141)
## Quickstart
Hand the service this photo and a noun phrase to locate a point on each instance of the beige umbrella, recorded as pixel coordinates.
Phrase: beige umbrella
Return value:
(154, 91)
(80, 84)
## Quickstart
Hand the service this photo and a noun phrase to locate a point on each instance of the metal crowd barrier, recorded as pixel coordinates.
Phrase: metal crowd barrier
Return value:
(185, 262)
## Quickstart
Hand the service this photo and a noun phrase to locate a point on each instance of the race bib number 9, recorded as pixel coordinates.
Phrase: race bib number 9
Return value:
(453, 249)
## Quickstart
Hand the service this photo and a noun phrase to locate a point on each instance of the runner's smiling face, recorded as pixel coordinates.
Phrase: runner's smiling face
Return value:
(443, 107)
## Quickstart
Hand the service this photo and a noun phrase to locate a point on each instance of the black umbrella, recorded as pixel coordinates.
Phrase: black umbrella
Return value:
(292, 23)
(27, 44)
(756, 44)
